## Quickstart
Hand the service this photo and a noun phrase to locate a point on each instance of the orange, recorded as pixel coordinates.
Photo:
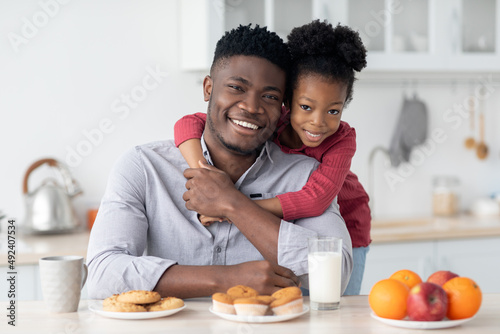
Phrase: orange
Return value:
(387, 299)
(464, 298)
(407, 277)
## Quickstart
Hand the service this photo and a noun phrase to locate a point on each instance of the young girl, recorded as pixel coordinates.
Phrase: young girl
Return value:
(320, 85)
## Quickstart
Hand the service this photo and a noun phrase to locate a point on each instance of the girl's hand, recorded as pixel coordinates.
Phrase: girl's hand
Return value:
(207, 221)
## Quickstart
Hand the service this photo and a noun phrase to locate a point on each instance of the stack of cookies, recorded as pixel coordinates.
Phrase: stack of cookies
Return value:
(243, 300)
(140, 301)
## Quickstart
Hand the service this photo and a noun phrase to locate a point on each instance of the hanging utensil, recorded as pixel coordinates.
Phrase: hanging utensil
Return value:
(482, 148)
(410, 131)
(470, 142)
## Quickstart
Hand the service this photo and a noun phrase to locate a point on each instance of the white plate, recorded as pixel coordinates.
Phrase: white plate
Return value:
(422, 324)
(96, 307)
(260, 319)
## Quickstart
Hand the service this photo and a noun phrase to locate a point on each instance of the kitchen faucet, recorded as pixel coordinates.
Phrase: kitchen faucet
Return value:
(371, 173)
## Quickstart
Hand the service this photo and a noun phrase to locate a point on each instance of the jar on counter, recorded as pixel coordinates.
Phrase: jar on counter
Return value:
(445, 199)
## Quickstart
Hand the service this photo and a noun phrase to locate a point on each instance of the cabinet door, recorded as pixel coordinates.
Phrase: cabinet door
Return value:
(475, 35)
(478, 259)
(399, 35)
(203, 23)
(284, 15)
(383, 260)
(432, 35)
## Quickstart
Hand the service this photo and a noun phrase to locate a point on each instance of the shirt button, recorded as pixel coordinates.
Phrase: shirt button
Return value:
(218, 249)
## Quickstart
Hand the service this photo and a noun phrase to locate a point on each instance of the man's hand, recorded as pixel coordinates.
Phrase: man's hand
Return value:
(195, 281)
(263, 276)
(209, 190)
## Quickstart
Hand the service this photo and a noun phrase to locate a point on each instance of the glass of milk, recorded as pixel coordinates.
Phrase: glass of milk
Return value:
(325, 272)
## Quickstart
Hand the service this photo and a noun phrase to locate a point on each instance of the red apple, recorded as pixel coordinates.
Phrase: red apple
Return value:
(427, 302)
(441, 277)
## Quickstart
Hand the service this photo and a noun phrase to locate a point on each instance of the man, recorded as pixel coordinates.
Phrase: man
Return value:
(147, 234)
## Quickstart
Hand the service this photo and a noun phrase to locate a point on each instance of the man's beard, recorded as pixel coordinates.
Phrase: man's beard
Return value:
(233, 148)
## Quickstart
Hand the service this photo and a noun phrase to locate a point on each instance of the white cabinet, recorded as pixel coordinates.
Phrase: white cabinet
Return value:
(203, 23)
(400, 35)
(476, 41)
(383, 260)
(429, 35)
(477, 259)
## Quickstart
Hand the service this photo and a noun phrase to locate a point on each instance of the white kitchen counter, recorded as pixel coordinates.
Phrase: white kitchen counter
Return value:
(32, 247)
(352, 317)
(423, 245)
(435, 228)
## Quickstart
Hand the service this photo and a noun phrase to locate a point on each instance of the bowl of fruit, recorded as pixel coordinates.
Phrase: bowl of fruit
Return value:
(444, 300)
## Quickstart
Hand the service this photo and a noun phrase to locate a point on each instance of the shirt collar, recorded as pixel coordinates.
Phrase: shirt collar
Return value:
(204, 149)
(264, 153)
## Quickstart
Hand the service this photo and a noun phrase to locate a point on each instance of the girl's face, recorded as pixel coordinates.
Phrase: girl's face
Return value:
(316, 108)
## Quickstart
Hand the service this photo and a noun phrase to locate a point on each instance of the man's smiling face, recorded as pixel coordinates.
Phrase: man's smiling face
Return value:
(245, 94)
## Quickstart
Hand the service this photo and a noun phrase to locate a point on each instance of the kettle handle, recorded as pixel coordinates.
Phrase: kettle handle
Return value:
(35, 165)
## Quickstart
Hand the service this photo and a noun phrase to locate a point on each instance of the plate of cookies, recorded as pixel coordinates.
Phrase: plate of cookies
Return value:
(243, 304)
(137, 304)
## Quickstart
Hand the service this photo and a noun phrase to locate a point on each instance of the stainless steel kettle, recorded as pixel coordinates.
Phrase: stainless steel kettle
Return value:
(49, 208)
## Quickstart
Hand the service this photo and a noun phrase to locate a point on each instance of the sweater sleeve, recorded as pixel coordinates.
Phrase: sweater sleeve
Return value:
(189, 127)
(323, 185)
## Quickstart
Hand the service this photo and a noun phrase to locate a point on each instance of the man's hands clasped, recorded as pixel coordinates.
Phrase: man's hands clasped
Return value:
(209, 192)
(212, 194)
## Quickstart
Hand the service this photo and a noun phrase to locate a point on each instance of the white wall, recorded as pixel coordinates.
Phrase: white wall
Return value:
(71, 75)
(66, 74)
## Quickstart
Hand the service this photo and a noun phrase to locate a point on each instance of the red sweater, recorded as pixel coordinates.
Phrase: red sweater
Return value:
(332, 178)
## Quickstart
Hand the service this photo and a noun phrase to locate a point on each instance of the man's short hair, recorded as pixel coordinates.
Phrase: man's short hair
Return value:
(248, 41)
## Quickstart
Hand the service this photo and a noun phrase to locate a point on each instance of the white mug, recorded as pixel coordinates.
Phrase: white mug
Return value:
(62, 279)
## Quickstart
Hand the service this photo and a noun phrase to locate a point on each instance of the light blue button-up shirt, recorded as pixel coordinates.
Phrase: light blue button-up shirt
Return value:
(143, 226)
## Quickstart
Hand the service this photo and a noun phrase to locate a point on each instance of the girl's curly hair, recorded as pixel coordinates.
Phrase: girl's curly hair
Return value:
(334, 53)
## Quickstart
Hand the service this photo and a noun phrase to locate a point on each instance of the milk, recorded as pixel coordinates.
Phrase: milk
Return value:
(325, 277)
